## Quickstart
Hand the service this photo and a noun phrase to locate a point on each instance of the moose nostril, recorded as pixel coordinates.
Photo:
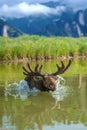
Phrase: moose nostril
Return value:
(51, 86)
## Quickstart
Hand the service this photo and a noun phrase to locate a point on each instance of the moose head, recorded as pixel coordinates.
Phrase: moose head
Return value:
(43, 81)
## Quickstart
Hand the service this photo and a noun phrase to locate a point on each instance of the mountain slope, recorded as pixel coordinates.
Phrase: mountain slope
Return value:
(7, 30)
(68, 23)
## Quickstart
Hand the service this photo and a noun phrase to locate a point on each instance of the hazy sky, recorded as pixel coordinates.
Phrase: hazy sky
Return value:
(13, 2)
(20, 8)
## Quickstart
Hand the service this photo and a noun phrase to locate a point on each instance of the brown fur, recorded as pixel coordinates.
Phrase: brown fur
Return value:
(44, 84)
(41, 80)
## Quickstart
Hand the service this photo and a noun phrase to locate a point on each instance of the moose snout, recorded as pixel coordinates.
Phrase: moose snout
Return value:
(52, 87)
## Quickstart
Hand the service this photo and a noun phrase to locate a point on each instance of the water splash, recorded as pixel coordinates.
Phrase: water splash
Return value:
(21, 90)
(61, 90)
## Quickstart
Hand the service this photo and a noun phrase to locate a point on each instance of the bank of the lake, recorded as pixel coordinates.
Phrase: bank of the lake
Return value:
(40, 47)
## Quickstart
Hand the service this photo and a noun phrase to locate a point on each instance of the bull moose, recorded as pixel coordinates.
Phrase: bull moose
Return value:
(43, 81)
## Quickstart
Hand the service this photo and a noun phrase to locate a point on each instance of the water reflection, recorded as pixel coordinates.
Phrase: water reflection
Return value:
(42, 112)
(35, 112)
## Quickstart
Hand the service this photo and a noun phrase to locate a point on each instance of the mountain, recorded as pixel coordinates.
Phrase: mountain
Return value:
(67, 23)
(8, 30)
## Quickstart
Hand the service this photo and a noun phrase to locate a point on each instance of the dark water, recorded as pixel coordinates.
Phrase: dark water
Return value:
(64, 110)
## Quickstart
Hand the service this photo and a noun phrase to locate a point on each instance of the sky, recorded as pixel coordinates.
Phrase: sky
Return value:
(21, 8)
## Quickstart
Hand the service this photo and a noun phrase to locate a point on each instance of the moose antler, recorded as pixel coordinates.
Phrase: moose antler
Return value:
(48, 81)
(37, 71)
(61, 69)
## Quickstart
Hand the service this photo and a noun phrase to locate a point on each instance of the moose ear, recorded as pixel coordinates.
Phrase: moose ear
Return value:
(49, 76)
(55, 77)
(45, 76)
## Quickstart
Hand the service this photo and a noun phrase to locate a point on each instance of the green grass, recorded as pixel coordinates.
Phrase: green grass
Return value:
(41, 47)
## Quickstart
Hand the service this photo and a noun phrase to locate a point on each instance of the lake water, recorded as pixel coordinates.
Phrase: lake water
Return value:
(64, 109)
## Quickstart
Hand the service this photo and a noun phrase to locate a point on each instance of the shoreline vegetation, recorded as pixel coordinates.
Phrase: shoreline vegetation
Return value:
(42, 48)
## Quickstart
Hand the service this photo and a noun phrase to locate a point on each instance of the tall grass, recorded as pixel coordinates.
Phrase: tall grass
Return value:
(41, 47)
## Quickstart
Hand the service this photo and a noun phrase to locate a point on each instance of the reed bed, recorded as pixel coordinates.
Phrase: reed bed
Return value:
(40, 47)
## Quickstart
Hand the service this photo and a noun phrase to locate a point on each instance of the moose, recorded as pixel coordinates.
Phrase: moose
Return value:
(43, 81)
